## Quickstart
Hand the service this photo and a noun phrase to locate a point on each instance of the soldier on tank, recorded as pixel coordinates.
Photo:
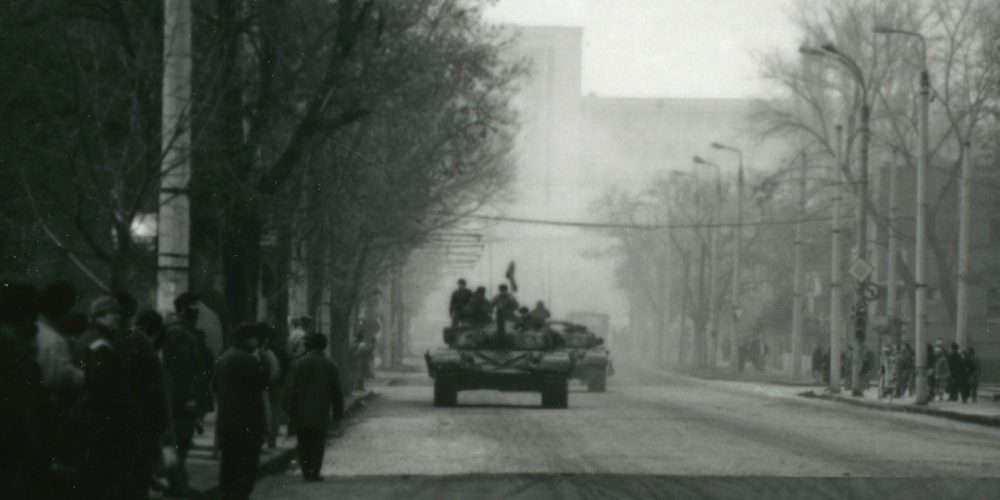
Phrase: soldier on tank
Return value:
(460, 299)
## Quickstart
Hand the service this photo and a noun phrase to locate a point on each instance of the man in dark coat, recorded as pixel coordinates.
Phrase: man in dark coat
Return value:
(121, 388)
(459, 300)
(958, 375)
(313, 392)
(182, 361)
(240, 381)
(21, 467)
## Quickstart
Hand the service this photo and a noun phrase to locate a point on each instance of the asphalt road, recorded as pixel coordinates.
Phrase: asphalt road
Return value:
(650, 436)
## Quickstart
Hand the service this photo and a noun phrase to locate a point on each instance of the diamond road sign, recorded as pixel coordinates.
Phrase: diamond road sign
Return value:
(860, 269)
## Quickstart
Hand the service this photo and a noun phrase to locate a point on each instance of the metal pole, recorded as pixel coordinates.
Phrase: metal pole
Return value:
(892, 273)
(920, 301)
(737, 311)
(797, 278)
(857, 384)
(836, 308)
(713, 329)
(965, 211)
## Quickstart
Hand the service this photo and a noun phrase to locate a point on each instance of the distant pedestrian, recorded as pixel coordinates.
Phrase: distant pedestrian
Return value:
(296, 338)
(941, 374)
(275, 378)
(956, 373)
(313, 393)
(817, 364)
(972, 369)
(904, 383)
(240, 380)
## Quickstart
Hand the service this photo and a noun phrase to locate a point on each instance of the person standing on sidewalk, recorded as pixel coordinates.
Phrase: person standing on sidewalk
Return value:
(240, 381)
(313, 392)
(182, 361)
(941, 374)
(972, 369)
(956, 371)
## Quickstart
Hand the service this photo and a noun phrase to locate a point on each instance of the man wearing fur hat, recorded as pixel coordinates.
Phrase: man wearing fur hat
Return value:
(182, 362)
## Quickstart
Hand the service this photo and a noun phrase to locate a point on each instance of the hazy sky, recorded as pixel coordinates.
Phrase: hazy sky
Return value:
(675, 48)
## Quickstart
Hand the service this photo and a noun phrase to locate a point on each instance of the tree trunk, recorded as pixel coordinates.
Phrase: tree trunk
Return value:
(340, 341)
(241, 261)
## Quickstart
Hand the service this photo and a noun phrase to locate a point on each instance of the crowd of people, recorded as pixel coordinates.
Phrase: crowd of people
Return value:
(472, 307)
(105, 404)
(952, 373)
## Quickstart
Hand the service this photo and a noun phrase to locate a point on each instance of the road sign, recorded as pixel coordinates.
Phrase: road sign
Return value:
(860, 269)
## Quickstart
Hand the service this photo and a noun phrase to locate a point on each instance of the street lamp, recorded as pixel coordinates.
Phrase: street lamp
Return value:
(738, 248)
(920, 295)
(713, 327)
(829, 51)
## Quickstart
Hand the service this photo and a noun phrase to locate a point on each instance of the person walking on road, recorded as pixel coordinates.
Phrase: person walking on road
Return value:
(240, 381)
(313, 393)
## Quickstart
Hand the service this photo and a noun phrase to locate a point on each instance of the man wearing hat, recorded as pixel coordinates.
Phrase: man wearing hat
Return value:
(313, 393)
(240, 380)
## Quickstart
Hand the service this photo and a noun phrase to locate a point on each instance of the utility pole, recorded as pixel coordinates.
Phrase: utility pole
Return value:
(797, 278)
(173, 225)
(738, 248)
(891, 272)
(836, 308)
(713, 318)
(965, 212)
(920, 319)
(920, 278)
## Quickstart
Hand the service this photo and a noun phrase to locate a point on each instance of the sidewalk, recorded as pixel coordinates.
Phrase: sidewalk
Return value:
(984, 412)
(769, 376)
(203, 467)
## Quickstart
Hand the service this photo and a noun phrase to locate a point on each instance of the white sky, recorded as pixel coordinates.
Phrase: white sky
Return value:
(671, 48)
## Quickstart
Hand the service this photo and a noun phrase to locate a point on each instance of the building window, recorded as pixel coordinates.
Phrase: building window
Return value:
(993, 303)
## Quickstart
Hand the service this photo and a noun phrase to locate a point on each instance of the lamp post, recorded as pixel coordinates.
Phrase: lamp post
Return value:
(920, 294)
(829, 51)
(713, 328)
(797, 286)
(738, 248)
(695, 352)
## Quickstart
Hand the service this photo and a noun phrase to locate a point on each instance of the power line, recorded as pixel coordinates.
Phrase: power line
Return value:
(646, 227)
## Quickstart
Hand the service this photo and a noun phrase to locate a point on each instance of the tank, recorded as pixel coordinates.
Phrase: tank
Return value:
(591, 359)
(500, 357)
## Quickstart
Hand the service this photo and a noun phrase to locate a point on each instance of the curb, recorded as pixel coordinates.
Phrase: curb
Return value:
(280, 462)
(984, 420)
(729, 378)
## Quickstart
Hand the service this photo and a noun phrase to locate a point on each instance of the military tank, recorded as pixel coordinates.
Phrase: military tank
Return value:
(496, 355)
(591, 359)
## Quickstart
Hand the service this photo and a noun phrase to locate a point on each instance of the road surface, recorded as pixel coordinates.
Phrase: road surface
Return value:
(651, 435)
